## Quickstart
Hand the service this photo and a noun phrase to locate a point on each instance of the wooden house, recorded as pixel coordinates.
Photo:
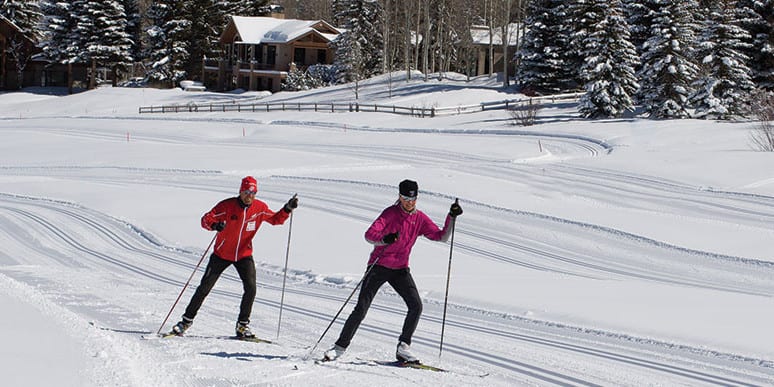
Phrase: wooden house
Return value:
(258, 52)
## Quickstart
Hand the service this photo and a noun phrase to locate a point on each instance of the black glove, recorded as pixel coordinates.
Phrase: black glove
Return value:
(218, 226)
(291, 204)
(390, 238)
(455, 209)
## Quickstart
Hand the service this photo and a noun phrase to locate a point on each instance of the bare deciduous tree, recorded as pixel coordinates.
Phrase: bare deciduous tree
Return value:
(762, 135)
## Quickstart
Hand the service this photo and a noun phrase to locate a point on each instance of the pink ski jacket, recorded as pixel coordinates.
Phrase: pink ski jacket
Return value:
(409, 227)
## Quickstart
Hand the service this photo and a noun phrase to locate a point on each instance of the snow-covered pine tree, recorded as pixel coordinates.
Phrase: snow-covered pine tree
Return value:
(359, 47)
(757, 18)
(668, 69)
(102, 37)
(134, 28)
(167, 48)
(298, 79)
(639, 15)
(547, 62)
(725, 85)
(206, 23)
(57, 26)
(242, 8)
(602, 35)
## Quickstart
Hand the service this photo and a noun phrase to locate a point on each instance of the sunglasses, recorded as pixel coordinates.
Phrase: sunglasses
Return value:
(248, 192)
(408, 198)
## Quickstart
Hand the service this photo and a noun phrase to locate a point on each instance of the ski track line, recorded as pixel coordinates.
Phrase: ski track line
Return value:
(635, 272)
(605, 267)
(752, 266)
(486, 358)
(432, 157)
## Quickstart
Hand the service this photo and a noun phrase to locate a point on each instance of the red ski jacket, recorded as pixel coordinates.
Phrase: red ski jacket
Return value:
(236, 240)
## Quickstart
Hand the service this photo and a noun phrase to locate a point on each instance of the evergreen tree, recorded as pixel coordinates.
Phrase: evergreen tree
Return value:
(134, 28)
(206, 22)
(757, 18)
(609, 58)
(639, 15)
(668, 68)
(101, 35)
(59, 22)
(242, 8)
(359, 47)
(547, 62)
(167, 48)
(723, 89)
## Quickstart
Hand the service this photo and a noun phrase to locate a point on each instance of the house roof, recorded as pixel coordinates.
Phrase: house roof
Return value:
(480, 34)
(8, 28)
(255, 30)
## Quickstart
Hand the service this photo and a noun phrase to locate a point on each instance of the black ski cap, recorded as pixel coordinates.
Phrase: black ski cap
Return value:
(408, 188)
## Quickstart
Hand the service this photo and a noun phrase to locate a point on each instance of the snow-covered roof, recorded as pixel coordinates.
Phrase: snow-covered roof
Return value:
(255, 30)
(12, 27)
(480, 34)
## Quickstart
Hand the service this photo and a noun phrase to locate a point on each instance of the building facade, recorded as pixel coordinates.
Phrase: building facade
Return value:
(258, 52)
(14, 47)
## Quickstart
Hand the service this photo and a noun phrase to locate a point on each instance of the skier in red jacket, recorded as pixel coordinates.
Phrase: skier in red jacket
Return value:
(236, 220)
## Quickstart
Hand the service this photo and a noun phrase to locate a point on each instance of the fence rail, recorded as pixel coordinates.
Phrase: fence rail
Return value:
(358, 107)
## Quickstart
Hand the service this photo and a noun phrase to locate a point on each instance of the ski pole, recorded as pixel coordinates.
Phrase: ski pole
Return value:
(448, 276)
(186, 284)
(285, 272)
(342, 308)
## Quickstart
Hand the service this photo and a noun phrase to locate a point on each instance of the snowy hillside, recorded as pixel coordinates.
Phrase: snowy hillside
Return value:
(617, 252)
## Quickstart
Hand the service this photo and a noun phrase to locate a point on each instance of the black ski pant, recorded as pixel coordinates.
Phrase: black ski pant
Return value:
(246, 269)
(403, 283)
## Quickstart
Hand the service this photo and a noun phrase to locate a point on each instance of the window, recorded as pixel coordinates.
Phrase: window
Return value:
(271, 55)
(259, 53)
(299, 56)
(321, 57)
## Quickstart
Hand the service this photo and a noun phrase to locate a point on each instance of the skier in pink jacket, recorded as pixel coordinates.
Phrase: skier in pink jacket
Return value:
(393, 234)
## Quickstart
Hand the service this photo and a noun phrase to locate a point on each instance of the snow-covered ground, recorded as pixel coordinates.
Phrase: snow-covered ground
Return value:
(615, 252)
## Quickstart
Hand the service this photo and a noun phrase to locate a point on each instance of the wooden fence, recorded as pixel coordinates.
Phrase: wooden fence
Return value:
(359, 107)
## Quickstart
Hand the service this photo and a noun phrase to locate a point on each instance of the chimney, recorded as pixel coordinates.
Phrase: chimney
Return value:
(276, 11)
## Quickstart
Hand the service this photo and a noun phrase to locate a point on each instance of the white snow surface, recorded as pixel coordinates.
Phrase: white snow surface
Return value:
(620, 252)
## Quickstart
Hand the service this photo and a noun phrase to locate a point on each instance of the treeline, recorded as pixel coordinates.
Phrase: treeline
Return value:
(674, 58)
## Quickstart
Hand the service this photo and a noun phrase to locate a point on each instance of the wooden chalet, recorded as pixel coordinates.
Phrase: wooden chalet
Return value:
(258, 52)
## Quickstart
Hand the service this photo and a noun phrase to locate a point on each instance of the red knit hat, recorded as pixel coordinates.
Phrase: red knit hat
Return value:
(249, 184)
